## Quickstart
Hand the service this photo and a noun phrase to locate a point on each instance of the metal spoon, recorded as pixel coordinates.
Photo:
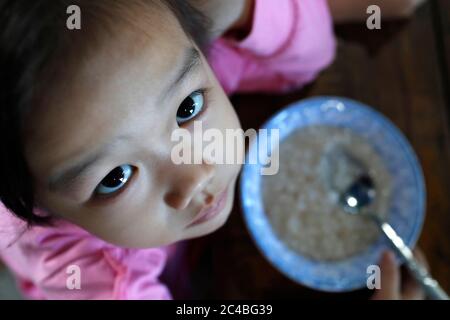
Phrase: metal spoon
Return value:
(361, 194)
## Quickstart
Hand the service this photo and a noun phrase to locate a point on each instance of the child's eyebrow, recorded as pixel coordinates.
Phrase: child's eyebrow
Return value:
(191, 60)
(68, 176)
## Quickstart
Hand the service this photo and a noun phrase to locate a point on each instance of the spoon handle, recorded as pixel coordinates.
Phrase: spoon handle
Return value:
(419, 272)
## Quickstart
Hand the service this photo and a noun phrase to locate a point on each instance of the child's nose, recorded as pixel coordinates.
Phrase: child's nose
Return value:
(187, 181)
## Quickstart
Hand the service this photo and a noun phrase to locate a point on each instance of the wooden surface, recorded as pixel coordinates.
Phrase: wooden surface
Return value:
(402, 71)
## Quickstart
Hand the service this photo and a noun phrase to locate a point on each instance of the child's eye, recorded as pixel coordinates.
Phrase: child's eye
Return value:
(115, 180)
(190, 107)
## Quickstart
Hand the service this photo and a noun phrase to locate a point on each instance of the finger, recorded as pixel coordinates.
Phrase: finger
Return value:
(390, 278)
(420, 256)
(411, 289)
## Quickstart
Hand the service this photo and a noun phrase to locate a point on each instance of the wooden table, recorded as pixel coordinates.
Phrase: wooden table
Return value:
(403, 71)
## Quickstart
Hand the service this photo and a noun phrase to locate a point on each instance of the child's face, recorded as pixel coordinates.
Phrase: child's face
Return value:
(113, 117)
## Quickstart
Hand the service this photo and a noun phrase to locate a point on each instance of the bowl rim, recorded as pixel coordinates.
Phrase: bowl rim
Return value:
(260, 241)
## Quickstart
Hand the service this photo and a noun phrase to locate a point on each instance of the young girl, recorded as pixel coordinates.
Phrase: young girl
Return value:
(86, 117)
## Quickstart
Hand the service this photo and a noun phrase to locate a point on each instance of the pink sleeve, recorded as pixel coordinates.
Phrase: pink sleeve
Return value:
(290, 42)
(44, 259)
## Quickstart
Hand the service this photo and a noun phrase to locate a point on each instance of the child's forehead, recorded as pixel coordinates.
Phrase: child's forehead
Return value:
(152, 44)
(152, 29)
(156, 44)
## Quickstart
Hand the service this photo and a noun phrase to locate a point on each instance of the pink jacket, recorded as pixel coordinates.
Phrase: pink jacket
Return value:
(289, 43)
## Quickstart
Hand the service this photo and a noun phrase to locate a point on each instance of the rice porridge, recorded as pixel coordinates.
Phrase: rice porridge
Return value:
(300, 206)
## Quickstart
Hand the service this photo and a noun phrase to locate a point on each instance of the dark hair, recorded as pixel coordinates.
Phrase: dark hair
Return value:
(32, 34)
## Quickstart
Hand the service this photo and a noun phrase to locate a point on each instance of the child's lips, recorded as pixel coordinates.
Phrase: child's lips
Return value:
(211, 210)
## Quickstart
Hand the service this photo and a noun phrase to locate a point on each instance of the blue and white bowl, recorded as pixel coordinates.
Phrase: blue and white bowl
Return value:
(406, 209)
